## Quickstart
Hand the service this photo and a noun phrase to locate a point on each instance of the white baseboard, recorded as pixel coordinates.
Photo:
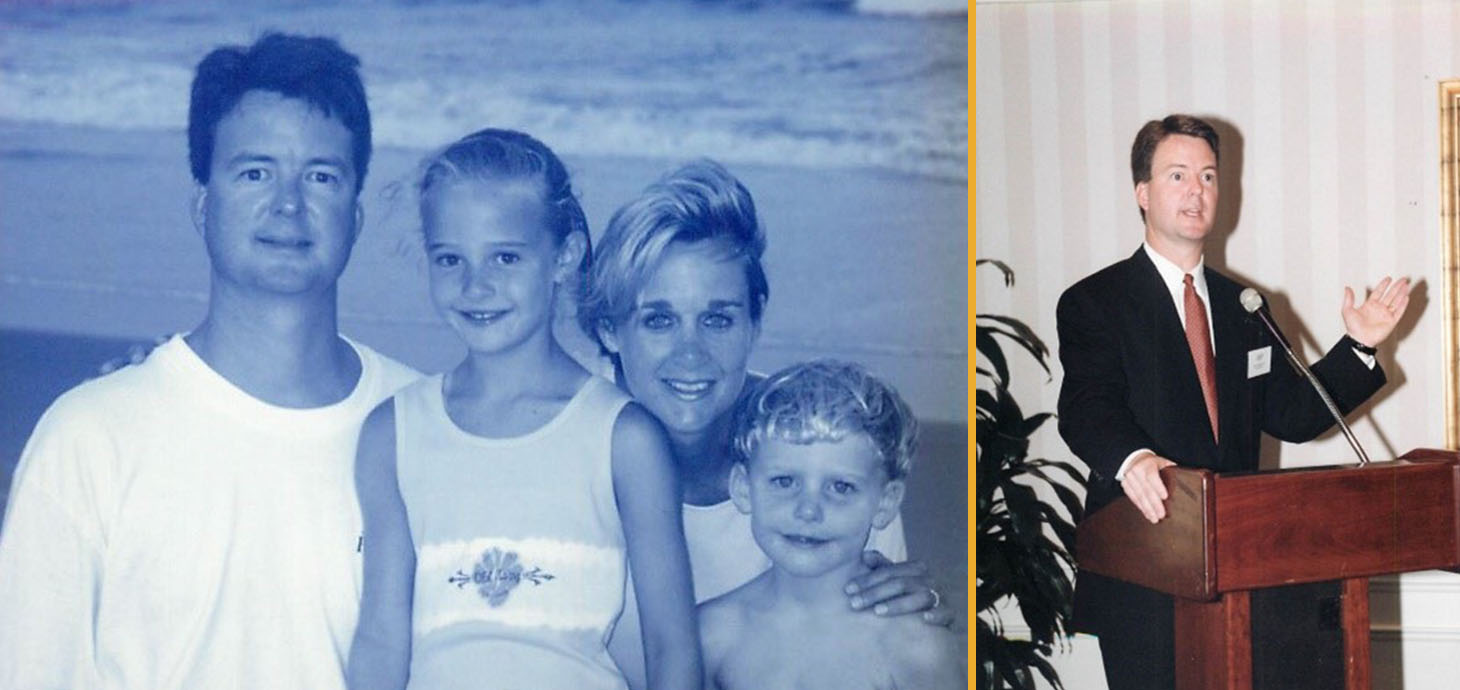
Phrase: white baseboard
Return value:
(1415, 636)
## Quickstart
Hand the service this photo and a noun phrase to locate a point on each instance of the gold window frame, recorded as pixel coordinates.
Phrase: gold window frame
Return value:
(1450, 226)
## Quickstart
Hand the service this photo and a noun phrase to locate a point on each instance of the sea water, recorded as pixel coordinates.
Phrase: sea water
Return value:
(881, 83)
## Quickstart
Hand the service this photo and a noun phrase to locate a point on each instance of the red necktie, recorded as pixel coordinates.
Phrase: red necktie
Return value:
(1199, 337)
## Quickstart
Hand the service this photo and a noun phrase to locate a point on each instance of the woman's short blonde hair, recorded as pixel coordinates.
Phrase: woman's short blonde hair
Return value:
(700, 200)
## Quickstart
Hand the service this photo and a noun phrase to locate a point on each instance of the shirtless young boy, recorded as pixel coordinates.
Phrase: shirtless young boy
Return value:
(825, 449)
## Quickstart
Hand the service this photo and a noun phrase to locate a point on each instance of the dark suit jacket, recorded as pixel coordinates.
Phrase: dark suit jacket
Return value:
(1129, 383)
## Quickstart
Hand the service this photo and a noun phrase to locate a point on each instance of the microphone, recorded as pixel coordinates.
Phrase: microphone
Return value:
(1252, 301)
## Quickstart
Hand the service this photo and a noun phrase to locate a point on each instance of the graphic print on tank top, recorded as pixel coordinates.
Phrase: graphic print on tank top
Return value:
(497, 573)
(535, 582)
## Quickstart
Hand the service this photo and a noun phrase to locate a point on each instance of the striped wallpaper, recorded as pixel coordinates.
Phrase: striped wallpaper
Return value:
(1329, 165)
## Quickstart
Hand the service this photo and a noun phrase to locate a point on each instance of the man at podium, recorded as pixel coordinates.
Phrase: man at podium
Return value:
(1163, 366)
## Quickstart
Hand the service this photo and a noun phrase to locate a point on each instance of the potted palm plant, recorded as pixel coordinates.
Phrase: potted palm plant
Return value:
(1024, 540)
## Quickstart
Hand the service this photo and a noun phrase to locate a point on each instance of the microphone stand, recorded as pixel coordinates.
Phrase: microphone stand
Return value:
(1261, 311)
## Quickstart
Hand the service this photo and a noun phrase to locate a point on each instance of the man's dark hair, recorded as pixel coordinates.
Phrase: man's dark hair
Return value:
(1154, 132)
(313, 69)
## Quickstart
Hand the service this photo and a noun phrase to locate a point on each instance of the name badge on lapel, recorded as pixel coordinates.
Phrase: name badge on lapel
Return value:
(1259, 361)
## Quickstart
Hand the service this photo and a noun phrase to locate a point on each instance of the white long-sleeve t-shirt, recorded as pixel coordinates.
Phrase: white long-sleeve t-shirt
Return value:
(167, 530)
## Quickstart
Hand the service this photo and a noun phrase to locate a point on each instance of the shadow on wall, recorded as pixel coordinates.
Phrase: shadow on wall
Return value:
(1229, 213)
(1229, 202)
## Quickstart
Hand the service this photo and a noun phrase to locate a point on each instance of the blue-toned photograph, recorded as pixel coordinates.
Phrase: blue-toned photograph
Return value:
(554, 343)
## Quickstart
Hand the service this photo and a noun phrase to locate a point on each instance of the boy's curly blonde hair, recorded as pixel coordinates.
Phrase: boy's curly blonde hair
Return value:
(824, 400)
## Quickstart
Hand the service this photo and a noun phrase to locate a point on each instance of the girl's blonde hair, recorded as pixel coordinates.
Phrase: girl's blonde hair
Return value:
(504, 154)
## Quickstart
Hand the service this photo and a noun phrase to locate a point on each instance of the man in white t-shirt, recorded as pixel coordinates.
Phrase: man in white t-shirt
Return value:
(191, 522)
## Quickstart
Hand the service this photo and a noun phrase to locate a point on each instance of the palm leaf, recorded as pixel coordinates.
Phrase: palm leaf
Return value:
(1003, 268)
(1018, 332)
(989, 348)
(1024, 539)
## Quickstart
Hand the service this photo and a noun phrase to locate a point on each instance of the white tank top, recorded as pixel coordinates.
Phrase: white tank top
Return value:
(520, 559)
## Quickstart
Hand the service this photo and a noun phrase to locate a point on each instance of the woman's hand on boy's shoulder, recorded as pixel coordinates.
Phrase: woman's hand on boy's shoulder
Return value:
(897, 589)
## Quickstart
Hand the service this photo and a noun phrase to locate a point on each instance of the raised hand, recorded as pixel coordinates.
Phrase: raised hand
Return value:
(1371, 322)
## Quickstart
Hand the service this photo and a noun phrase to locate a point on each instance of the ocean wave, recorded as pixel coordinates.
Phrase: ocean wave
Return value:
(130, 96)
(674, 80)
(912, 7)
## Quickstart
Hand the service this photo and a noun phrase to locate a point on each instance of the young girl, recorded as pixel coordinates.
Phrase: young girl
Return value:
(501, 497)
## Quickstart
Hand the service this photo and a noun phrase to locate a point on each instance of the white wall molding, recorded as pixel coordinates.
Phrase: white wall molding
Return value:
(1390, 633)
(1429, 582)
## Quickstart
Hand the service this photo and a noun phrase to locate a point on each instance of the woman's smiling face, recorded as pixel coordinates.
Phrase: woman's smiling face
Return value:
(686, 343)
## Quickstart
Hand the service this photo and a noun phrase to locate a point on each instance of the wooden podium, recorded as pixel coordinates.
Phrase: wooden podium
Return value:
(1228, 534)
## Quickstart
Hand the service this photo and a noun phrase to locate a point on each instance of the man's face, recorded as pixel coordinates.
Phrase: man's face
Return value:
(1180, 199)
(279, 213)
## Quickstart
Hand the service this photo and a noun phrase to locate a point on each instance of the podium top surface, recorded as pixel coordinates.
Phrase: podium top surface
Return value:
(1250, 530)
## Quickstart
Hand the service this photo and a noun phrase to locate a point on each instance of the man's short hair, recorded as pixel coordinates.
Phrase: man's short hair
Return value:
(1154, 132)
(313, 69)
(824, 401)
